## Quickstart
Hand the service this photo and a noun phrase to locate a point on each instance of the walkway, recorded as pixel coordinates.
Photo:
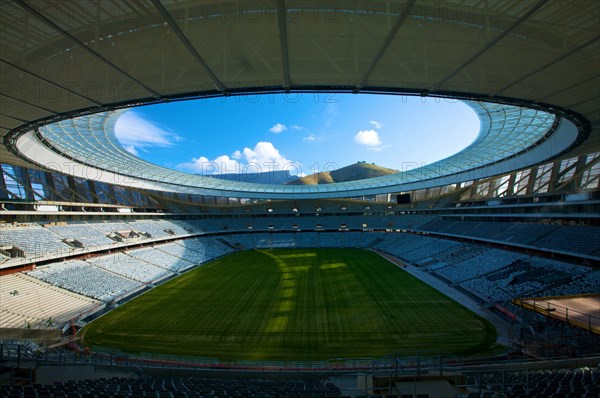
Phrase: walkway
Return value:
(502, 327)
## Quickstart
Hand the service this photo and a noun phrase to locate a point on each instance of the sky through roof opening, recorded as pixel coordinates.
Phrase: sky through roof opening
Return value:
(303, 133)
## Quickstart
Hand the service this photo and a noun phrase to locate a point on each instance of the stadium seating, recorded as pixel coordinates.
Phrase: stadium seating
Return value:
(84, 233)
(35, 241)
(571, 239)
(177, 387)
(158, 228)
(207, 248)
(153, 228)
(130, 267)
(484, 263)
(84, 278)
(494, 275)
(578, 239)
(30, 303)
(489, 230)
(582, 382)
(161, 258)
(109, 226)
(525, 233)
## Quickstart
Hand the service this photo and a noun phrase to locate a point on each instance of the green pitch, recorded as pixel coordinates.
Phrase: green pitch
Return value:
(310, 304)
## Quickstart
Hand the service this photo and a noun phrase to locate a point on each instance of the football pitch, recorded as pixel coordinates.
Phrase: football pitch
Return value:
(293, 304)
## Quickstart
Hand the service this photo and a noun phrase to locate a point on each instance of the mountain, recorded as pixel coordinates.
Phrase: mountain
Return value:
(267, 177)
(357, 171)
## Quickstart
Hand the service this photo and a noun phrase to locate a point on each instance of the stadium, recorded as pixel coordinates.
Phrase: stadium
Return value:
(475, 276)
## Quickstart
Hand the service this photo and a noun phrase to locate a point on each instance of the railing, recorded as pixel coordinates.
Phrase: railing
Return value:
(412, 363)
(546, 306)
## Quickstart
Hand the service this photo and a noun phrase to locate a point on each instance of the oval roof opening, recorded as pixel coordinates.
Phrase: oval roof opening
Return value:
(298, 138)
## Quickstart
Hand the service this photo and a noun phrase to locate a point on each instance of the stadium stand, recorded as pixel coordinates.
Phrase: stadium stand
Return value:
(110, 226)
(160, 257)
(154, 229)
(158, 228)
(30, 303)
(84, 222)
(84, 278)
(525, 233)
(130, 267)
(577, 239)
(85, 234)
(488, 230)
(34, 240)
(530, 277)
(582, 382)
(177, 387)
(205, 249)
(477, 266)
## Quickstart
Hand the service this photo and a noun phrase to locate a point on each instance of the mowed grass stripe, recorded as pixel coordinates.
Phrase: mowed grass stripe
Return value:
(311, 304)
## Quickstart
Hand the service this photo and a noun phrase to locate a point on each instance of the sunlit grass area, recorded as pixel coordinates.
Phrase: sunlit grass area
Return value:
(312, 304)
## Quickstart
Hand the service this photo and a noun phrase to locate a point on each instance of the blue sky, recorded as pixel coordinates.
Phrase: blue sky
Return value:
(300, 132)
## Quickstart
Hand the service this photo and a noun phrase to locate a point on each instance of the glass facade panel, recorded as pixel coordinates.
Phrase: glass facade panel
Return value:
(13, 181)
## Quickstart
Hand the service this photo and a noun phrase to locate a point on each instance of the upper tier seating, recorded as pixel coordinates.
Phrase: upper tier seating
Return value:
(109, 226)
(35, 241)
(576, 239)
(525, 233)
(84, 233)
(158, 228)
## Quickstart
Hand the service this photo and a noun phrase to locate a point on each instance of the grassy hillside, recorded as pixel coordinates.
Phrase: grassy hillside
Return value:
(292, 305)
(357, 171)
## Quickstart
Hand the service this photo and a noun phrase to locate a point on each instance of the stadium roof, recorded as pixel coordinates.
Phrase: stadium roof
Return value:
(63, 59)
(510, 137)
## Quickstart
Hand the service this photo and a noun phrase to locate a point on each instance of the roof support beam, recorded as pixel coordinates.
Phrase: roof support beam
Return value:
(586, 100)
(11, 117)
(186, 43)
(489, 45)
(386, 43)
(283, 43)
(50, 111)
(554, 61)
(85, 48)
(14, 118)
(50, 82)
(586, 81)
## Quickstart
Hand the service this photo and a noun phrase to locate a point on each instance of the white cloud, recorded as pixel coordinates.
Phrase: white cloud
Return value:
(369, 138)
(135, 132)
(376, 124)
(131, 149)
(378, 148)
(266, 156)
(278, 128)
(202, 165)
(262, 158)
(309, 138)
(296, 127)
